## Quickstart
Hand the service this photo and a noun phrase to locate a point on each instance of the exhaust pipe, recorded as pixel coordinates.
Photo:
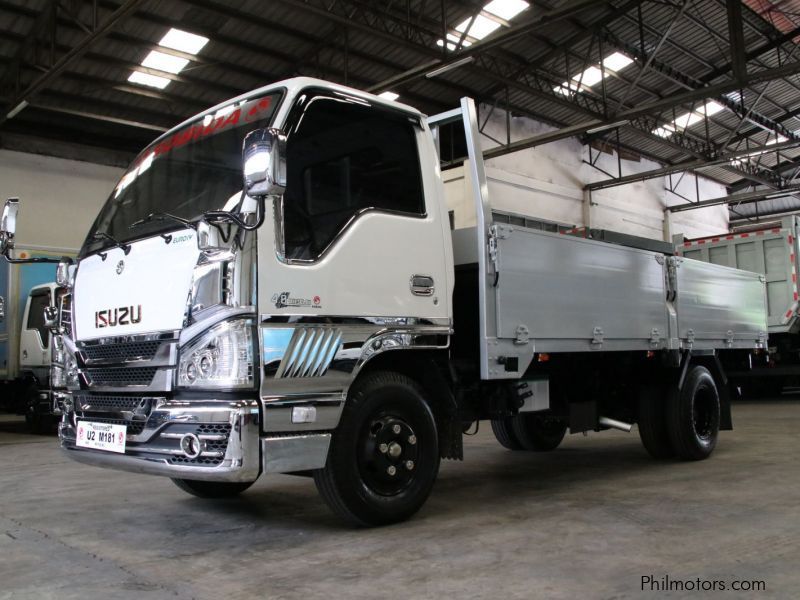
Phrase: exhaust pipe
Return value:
(614, 424)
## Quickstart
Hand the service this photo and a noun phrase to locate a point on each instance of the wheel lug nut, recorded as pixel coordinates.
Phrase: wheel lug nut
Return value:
(412, 439)
(409, 464)
(383, 448)
(396, 429)
(391, 470)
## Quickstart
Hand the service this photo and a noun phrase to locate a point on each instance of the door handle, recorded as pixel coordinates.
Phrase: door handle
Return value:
(422, 285)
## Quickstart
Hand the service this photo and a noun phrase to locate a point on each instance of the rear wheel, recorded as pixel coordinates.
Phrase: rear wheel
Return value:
(538, 433)
(384, 456)
(693, 416)
(652, 421)
(212, 489)
(504, 433)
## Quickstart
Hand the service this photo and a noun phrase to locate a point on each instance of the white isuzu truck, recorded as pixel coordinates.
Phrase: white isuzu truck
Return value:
(275, 287)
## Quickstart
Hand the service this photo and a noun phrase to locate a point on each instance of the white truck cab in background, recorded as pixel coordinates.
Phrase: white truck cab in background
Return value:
(274, 287)
(25, 349)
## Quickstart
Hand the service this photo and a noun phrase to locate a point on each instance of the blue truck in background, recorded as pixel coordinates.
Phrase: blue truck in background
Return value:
(25, 342)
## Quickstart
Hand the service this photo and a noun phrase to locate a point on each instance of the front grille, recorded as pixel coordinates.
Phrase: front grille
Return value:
(216, 428)
(121, 376)
(108, 403)
(134, 427)
(119, 352)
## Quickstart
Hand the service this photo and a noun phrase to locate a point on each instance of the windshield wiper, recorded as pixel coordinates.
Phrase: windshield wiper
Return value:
(102, 235)
(163, 216)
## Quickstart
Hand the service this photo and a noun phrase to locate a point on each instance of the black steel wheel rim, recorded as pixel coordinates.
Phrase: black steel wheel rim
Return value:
(703, 414)
(388, 454)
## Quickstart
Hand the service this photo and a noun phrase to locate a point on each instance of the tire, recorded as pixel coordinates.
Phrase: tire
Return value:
(384, 456)
(504, 433)
(37, 422)
(652, 421)
(538, 433)
(212, 489)
(693, 416)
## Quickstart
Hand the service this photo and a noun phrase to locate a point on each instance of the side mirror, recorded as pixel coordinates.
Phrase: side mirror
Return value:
(210, 238)
(51, 319)
(264, 160)
(8, 225)
(63, 276)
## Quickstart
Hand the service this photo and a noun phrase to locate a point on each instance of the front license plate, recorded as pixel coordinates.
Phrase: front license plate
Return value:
(102, 436)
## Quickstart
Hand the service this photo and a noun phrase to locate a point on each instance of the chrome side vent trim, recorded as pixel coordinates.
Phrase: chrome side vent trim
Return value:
(310, 352)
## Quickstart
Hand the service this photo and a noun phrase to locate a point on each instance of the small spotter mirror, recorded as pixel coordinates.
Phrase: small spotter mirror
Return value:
(8, 225)
(264, 160)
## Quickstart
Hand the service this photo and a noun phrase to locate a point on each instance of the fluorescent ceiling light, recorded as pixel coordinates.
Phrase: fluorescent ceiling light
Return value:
(506, 9)
(183, 41)
(164, 62)
(389, 96)
(688, 119)
(594, 75)
(149, 80)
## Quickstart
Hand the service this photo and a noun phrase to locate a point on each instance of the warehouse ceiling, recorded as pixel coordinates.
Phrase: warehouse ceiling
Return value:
(710, 86)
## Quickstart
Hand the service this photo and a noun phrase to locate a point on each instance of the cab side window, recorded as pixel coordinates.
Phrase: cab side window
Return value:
(344, 158)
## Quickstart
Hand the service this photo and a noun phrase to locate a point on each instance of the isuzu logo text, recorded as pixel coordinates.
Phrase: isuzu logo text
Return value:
(124, 315)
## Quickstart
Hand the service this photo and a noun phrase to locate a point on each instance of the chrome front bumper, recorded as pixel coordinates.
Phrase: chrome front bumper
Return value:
(155, 447)
(234, 449)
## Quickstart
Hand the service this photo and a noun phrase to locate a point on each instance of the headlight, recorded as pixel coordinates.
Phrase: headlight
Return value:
(221, 358)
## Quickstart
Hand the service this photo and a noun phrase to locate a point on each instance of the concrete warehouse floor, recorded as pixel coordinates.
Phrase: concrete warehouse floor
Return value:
(586, 521)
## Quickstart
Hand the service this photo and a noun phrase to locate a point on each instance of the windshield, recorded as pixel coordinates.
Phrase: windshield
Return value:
(186, 174)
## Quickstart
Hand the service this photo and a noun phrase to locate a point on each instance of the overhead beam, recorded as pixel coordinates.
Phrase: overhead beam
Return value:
(736, 39)
(736, 199)
(684, 166)
(494, 41)
(22, 99)
(650, 108)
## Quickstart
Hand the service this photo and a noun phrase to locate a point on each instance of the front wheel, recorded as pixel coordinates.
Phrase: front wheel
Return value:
(37, 421)
(384, 456)
(212, 489)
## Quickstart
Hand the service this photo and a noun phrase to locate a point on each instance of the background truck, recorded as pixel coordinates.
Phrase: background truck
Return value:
(25, 341)
(771, 251)
(303, 306)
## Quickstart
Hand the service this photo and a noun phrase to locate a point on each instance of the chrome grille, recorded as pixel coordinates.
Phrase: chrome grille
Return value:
(310, 352)
(124, 351)
(117, 377)
(107, 403)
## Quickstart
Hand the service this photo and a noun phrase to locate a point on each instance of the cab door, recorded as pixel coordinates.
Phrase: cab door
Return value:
(359, 231)
(35, 337)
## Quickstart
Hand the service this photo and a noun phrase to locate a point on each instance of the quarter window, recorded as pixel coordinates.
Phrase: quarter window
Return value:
(344, 158)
